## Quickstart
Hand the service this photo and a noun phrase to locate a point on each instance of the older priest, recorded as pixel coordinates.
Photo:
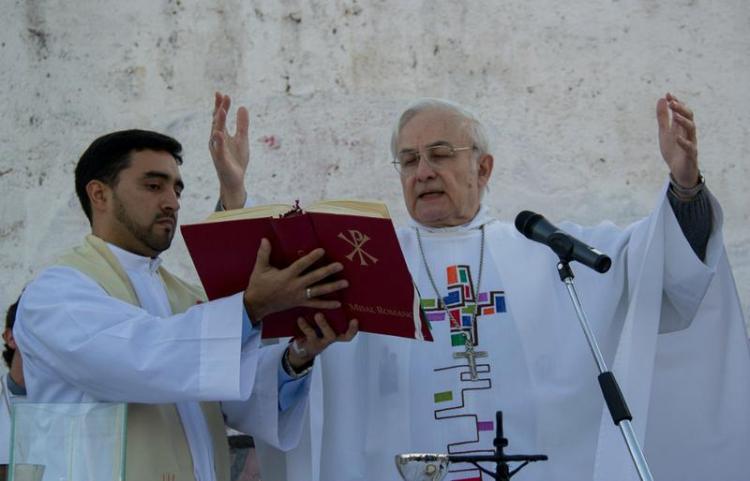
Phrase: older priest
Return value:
(108, 323)
(667, 317)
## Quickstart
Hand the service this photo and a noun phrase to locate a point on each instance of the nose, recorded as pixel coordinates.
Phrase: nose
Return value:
(424, 167)
(170, 201)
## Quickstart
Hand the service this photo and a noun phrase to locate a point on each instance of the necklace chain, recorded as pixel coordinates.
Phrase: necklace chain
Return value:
(441, 303)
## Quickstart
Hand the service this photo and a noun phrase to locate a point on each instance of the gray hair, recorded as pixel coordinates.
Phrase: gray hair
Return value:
(475, 128)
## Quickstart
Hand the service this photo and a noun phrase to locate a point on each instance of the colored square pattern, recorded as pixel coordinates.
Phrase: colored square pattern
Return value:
(499, 303)
(485, 425)
(463, 274)
(462, 305)
(429, 303)
(453, 298)
(455, 316)
(445, 396)
(452, 275)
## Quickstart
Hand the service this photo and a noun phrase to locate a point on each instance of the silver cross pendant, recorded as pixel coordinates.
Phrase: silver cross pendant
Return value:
(470, 355)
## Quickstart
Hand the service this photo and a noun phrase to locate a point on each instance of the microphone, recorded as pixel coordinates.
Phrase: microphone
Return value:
(537, 228)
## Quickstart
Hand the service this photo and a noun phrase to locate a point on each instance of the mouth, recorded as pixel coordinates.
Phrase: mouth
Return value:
(167, 222)
(430, 194)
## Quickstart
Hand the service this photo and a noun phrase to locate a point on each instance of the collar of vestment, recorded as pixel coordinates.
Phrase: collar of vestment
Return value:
(135, 262)
(480, 219)
(99, 260)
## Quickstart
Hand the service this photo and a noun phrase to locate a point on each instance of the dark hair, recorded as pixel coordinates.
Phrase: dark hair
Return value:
(110, 154)
(10, 319)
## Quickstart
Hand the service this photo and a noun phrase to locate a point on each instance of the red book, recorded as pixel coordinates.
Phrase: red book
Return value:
(358, 234)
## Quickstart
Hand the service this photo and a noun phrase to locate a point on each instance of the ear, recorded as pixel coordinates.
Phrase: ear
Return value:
(9, 340)
(484, 171)
(98, 193)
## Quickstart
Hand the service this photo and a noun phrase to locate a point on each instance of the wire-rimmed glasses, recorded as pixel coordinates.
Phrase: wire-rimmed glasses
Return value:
(437, 157)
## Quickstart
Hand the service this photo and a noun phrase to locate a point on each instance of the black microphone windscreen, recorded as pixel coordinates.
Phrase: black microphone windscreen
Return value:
(524, 220)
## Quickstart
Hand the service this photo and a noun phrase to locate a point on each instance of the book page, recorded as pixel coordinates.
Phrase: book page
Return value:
(351, 207)
(257, 212)
(335, 206)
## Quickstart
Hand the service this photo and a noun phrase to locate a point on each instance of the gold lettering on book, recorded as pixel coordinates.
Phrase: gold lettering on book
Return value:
(356, 239)
(378, 310)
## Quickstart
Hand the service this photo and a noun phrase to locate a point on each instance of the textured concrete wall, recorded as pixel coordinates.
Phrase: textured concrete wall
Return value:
(568, 89)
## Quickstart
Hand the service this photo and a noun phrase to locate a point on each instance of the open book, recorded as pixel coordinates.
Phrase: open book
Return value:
(358, 234)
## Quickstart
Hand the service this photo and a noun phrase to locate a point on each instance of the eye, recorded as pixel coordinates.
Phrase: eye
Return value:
(407, 159)
(153, 187)
(441, 151)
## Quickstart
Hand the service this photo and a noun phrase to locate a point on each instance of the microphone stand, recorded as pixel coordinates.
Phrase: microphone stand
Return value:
(618, 408)
(501, 460)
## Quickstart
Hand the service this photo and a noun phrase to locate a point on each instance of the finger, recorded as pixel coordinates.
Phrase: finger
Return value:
(662, 115)
(322, 304)
(264, 254)
(689, 147)
(329, 287)
(681, 108)
(307, 330)
(217, 104)
(328, 335)
(217, 100)
(220, 122)
(350, 332)
(301, 264)
(321, 273)
(686, 124)
(227, 102)
(216, 147)
(243, 122)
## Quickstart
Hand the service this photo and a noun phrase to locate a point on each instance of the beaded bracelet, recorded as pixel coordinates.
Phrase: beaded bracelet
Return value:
(686, 193)
(289, 369)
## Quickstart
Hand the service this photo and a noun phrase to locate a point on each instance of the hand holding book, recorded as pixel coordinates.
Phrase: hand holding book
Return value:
(357, 235)
(316, 340)
(272, 290)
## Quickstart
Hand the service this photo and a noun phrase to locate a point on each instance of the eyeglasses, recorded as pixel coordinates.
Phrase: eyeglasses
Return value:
(437, 157)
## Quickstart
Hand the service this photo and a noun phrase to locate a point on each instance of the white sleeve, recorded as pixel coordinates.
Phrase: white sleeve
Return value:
(686, 277)
(260, 415)
(80, 344)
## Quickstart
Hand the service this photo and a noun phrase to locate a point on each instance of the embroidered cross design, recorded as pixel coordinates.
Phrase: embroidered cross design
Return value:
(357, 239)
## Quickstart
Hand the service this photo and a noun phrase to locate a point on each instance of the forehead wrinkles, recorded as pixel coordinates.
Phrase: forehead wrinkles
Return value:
(433, 125)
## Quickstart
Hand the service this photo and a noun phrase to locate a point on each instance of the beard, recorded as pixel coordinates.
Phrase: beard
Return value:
(148, 235)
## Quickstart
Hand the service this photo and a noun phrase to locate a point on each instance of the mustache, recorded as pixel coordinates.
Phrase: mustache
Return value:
(172, 217)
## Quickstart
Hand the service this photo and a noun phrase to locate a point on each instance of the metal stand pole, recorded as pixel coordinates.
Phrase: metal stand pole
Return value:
(616, 404)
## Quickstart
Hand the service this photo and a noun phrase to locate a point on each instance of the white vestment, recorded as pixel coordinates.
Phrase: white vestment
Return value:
(81, 345)
(8, 399)
(670, 328)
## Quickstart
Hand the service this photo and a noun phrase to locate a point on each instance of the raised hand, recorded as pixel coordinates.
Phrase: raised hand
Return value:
(272, 290)
(677, 140)
(304, 349)
(230, 153)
